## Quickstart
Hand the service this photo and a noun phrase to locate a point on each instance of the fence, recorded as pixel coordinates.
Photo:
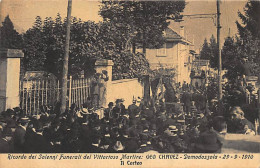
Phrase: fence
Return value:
(37, 93)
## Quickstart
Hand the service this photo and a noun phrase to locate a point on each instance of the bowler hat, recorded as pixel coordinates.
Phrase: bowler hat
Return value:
(119, 100)
(10, 112)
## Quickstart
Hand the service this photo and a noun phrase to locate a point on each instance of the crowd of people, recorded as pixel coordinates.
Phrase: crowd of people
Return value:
(141, 127)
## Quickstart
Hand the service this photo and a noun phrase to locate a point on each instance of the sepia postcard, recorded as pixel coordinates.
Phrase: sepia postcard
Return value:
(135, 83)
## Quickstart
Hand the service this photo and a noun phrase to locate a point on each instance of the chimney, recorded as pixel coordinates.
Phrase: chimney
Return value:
(182, 31)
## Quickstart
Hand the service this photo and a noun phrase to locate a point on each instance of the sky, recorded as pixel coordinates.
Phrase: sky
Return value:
(24, 12)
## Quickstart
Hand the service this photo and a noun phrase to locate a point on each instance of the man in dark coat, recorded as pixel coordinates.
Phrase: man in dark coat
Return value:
(39, 143)
(95, 146)
(133, 109)
(108, 111)
(19, 135)
(54, 135)
(4, 145)
(29, 137)
(145, 144)
(148, 113)
(170, 120)
(186, 99)
(119, 109)
(85, 134)
(131, 143)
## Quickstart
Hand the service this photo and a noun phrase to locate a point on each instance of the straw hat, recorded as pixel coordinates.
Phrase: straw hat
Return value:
(118, 146)
(24, 120)
(173, 128)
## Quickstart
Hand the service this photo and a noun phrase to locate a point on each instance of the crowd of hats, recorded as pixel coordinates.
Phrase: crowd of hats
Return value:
(138, 128)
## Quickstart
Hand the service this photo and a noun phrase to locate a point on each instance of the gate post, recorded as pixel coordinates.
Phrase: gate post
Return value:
(9, 78)
(106, 65)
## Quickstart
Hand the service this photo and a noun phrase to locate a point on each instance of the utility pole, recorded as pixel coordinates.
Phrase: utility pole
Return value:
(219, 58)
(66, 61)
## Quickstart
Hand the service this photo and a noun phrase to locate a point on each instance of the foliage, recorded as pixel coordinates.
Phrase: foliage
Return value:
(241, 57)
(166, 75)
(129, 65)
(232, 60)
(9, 37)
(34, 47)
(249, 41)
(250, 20)
(212, 89)
(144, 21)
(210, 51)
(234, 95)
(205, 51)
(89, 41)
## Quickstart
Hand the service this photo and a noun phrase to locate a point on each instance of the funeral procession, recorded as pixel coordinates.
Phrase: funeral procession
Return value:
(176, 76)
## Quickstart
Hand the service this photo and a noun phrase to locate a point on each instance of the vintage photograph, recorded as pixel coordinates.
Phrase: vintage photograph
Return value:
(112, 76)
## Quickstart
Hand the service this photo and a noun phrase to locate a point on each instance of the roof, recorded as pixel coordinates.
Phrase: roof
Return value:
(172, 35)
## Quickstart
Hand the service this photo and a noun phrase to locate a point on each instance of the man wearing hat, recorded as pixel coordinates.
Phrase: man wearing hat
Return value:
(145, 144)
(118, 147)
(131, 143)
(119, 108)
(105, 144)
(186, 99)
(147, 112)
(176, 142)
(4, 142)
(9, 115)
(202, 122)
(19, 135)
(211, 140)
(207, 143)
(133, 109)
(54, 135)
(170, 120)
(95, 146)
(108, 111)
(39, 142)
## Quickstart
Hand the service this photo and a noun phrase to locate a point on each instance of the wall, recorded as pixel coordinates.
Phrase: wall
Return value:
(177, 54)
(168, 60)
(125, 89)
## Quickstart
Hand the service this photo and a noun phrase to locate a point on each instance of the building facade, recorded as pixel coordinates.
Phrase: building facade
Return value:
(175, 53)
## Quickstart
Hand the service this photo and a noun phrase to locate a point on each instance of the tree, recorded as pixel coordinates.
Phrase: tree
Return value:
(232, 60)
(9, 37)
(214, 52)
(143, 20)
(241, 56)
(249, 42)
(210, 51)
(205, 51)
(34, 47)
(250, 20)
(44, 48)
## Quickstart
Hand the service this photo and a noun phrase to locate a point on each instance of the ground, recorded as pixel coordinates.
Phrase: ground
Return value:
(239, 143)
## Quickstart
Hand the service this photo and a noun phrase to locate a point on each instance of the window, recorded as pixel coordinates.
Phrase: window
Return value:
(161, 52)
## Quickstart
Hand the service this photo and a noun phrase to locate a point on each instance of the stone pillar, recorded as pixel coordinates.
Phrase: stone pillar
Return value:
(106, 65)
(9, 78)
